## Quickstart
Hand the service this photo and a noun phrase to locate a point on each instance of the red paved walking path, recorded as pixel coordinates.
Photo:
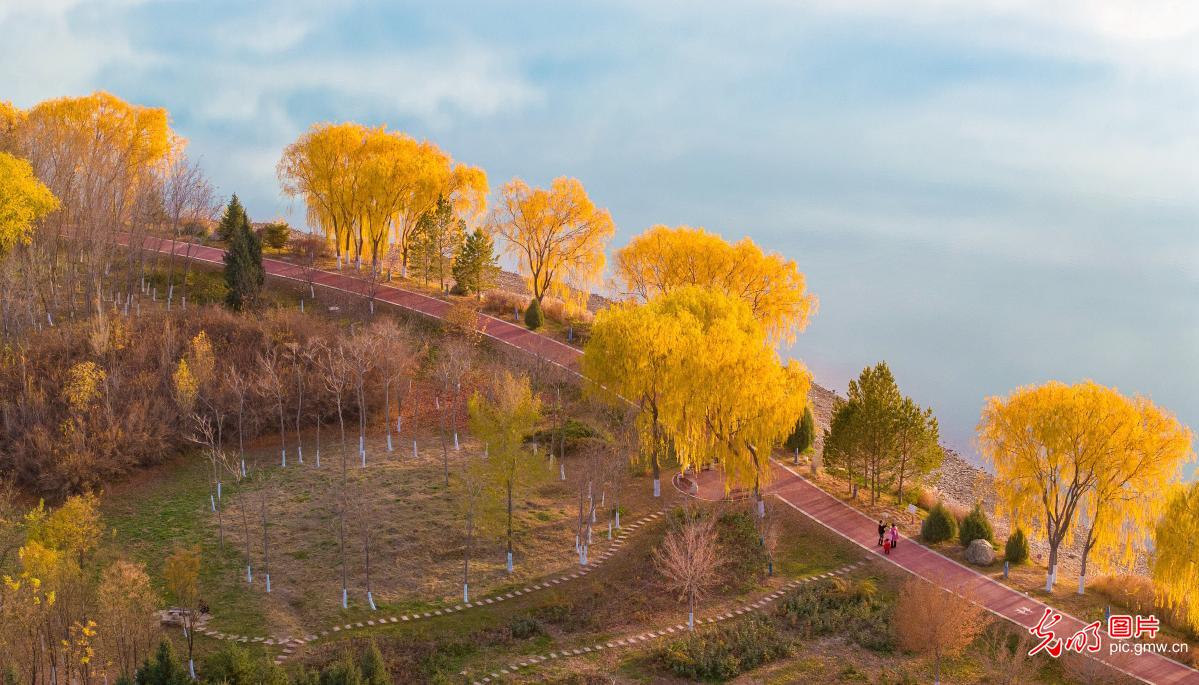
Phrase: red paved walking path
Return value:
(508, 333)
(787, 485)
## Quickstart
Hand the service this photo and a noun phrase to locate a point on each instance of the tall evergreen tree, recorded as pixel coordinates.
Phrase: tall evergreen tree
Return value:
(475, 268)
(439, 236)
(244, 274)
(804, 435)
(234, 217)
(879, 436)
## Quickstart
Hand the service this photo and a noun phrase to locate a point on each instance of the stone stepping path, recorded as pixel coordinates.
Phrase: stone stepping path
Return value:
(679, 629)
(291, 643)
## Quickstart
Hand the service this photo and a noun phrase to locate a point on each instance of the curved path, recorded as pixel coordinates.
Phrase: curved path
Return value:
(997, 598)
(557, 353)
(788, 485)
(763, 603)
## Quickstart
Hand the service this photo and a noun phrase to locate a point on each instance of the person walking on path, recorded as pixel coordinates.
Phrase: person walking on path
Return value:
(887, 544)
(882, 531)
(894, 536)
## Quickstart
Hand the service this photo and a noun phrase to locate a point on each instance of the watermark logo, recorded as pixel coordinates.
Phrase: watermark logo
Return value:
(1120, 628)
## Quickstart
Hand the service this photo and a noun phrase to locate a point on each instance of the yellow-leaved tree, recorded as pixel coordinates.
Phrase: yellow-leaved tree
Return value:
(367, 188)
(633, 354)
(1175, 564)
(557, 235)
(699, 365)
(732, 399)
(663, 258)
(501, 419)
(24, 200)
(97, 153)
(1081, 459)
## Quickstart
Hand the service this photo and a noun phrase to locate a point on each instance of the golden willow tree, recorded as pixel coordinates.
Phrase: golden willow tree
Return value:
(557, 235)
(106, 161)
(367, 188)
(663, 259)
(24, 200)
(699, 364)
(1083, 460)
(1175, 565)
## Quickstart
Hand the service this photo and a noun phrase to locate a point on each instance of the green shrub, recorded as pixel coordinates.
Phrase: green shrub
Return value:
(524, 627)
(840, 607)
(534, 318)
(233, 664)
(741, 547)
(276, 234)
(975, 526)
(1015, 550)
(725, 651)
(939, 526)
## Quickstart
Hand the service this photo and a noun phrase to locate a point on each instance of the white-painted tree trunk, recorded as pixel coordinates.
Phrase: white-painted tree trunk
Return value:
(509, 562)
(617, 519)
(466, 593)
(370, 599)
(415, 454)
(268, 583)
(690, 620)
(456, 446)
(345, 599)
(249, 575)
(657, 488)
(1082, 585)
(283, 453)
(300, 453)
(389, 442)
(561, 471)
(191, 668)
(1049, 579)
(218, 490)
(212, 501)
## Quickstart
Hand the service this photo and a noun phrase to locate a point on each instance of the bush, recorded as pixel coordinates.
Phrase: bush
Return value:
(275, 234)
(234, 665)
(975, 526)
(524, 627)
(925, 499)
(502, 303)
(939, 526)
(725, 651)
(741, 546)
(840, 607)
(1015, 551)
(534, 319)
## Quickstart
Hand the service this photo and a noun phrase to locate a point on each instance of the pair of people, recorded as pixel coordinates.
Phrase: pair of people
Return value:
(888, 537)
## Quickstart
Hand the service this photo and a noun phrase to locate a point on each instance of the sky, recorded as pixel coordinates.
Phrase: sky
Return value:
(985, 195)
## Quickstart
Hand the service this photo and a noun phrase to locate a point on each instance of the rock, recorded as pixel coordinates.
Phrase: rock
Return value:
(980, 553)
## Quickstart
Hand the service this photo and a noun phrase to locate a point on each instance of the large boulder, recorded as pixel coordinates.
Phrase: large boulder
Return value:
(980, 553)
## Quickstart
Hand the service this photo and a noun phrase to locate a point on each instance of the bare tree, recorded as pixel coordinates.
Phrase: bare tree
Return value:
(935, 621)
(273, 385)
(454, 361)
(1005, 655)
(187, 197)
(395, 361)
(334, 362)
(689, 559)
(362, 352)
(471, 486)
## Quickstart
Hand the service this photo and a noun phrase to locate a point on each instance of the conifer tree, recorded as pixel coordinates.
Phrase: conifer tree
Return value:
(475, 267)
(244, 274)
(232, 219)
(804, 435)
